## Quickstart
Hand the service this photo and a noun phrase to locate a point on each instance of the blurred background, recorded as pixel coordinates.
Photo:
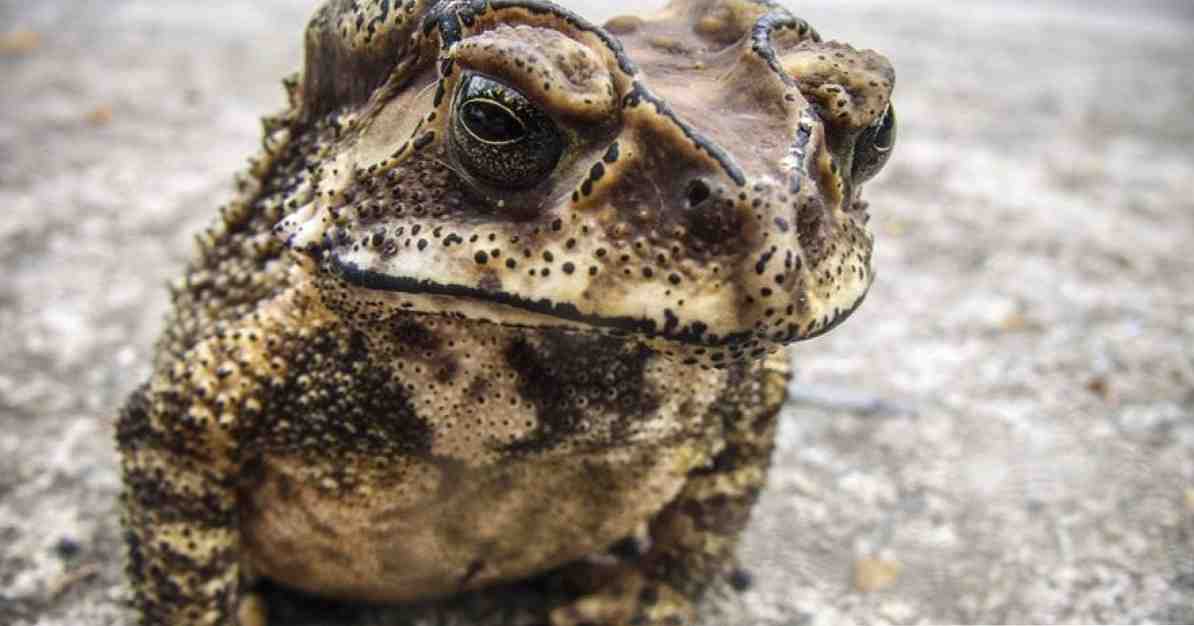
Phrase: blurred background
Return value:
(1003, 433)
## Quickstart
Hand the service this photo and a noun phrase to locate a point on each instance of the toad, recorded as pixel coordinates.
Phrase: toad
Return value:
(502, 291)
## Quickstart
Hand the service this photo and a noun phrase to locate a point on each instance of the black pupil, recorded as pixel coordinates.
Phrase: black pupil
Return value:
(491, 122)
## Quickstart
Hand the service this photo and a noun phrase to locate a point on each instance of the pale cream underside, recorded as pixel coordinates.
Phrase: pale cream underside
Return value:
(461, 528)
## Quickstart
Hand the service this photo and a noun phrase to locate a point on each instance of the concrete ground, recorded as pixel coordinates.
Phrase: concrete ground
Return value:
(1004, 433)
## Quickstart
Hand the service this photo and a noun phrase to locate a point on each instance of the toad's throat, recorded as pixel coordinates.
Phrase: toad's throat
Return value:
(693, 333)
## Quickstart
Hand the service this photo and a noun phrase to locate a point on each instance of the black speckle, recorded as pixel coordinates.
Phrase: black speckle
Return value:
(611, 154)
(741, 579)
(67, 548)
(424, 139)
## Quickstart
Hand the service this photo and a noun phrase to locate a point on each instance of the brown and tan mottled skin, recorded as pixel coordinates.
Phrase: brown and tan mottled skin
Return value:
(396, 370)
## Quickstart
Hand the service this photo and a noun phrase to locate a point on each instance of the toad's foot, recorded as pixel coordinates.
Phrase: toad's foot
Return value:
(626, 597)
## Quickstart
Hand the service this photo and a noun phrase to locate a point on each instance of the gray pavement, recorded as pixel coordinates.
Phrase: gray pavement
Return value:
(1004, 433)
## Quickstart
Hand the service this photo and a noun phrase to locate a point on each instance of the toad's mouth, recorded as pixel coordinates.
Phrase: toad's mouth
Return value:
(694, 333)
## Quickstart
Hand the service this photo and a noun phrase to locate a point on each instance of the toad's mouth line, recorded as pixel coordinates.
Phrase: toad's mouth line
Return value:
(694, 333)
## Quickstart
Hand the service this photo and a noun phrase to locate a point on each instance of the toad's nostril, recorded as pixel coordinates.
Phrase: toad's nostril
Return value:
(698, 192)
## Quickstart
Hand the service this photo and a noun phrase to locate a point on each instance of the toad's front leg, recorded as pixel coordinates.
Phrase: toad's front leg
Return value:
(694, 537)
(183, 439)
(179, 459)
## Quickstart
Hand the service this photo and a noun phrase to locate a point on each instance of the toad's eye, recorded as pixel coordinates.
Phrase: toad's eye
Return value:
(500, 137)
(489, 121)
(874, 145)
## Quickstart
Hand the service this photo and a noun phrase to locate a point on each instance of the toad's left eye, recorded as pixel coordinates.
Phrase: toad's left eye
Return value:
(873, 146)
(500, 137)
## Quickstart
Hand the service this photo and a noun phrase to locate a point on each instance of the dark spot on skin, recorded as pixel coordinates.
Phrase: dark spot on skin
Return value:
(671, 322)
(611, 155)
(611, 376)
(365, 408)
(411, 333)
(424, 139)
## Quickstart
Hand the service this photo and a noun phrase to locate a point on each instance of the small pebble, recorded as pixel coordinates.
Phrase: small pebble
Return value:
(19, 42)
(741, 579)
(67, 548)
(873, 574)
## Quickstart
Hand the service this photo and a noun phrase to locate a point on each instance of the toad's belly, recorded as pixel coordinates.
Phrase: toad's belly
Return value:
(447, 527)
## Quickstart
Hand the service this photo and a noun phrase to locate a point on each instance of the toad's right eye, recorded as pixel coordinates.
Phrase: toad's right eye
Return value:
(489, 121)
(500, 137)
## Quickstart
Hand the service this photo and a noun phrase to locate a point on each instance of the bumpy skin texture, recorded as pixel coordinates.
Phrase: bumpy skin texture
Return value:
(502, 290)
